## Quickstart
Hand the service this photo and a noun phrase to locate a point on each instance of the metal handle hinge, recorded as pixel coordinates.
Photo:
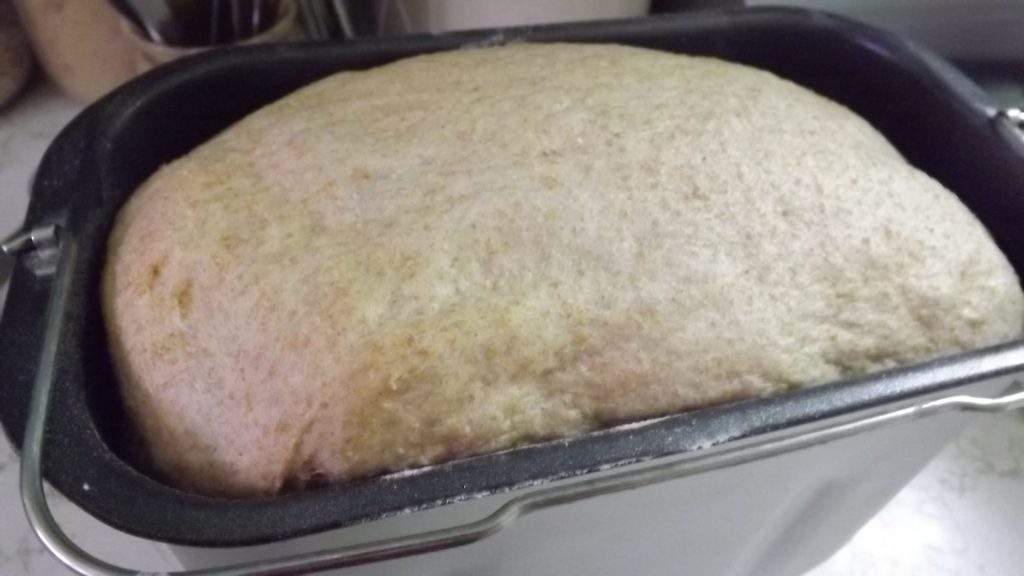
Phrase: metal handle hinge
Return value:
(1014, 115)
(37, 249)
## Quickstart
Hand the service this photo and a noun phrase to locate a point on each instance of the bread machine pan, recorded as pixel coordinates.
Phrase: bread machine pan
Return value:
(53, 359)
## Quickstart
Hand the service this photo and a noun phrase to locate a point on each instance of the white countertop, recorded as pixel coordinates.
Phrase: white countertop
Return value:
(962, 516)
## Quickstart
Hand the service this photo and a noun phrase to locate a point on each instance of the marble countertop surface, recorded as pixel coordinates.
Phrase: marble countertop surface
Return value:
(962, 516)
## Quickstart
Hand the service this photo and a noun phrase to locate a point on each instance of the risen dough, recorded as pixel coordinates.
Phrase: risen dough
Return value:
(462, 252)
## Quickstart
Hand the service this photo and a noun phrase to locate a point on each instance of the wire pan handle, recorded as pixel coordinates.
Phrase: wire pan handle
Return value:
(57, 542)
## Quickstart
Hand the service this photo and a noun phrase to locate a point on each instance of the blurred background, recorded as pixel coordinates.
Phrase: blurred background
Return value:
(88, 47)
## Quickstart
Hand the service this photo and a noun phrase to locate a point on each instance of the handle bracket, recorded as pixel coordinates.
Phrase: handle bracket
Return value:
(38, 249)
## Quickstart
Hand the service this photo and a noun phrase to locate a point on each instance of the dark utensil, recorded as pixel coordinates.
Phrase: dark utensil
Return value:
(199, 22)
(316, 19)
(147, 17)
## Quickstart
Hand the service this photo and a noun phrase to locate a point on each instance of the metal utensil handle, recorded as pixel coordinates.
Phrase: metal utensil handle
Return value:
(56, 541)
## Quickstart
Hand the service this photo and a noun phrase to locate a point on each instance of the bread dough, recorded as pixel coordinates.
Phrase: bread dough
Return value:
(463, 252)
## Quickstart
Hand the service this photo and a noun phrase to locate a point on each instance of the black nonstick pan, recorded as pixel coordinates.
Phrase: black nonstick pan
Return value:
(933, 115)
